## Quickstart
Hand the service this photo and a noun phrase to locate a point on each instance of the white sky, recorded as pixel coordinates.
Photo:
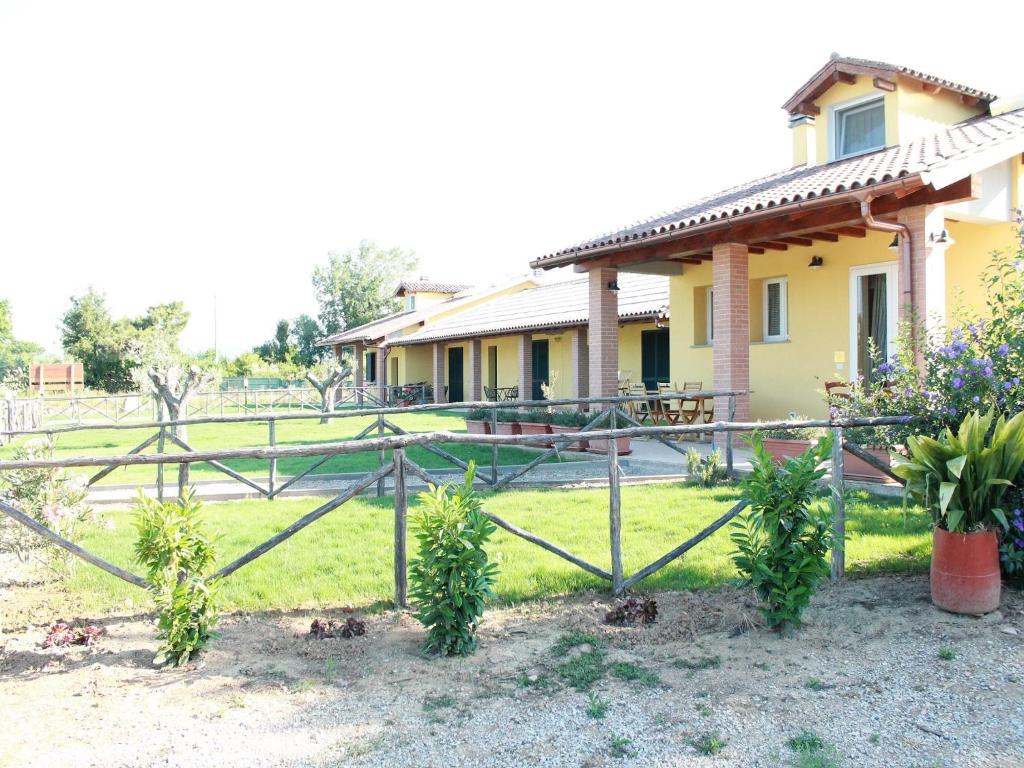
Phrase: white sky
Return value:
(184, 150)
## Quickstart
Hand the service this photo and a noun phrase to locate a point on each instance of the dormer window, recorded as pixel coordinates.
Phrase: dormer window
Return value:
(859, 128)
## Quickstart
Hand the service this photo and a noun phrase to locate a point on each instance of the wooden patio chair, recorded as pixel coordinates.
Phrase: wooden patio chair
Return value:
(690, 409)
(837, 390)
(640, 409)
(667, 406)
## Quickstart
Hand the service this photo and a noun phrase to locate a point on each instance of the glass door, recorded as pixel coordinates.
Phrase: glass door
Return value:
(873, 318)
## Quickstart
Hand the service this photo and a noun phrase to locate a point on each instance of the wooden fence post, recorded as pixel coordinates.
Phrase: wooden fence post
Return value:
(839, 497)
(494, 446)
(614, 506)
(272, 481)
(160, 466)
(728, 438)
(380, 455)
(401, 512)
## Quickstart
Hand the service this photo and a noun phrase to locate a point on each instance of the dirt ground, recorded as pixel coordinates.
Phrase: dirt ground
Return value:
(882, 677)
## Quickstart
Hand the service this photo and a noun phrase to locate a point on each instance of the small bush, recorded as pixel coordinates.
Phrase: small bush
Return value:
(709, 744)
(706, 471)
(177, 553)
(509, 416)
(451, 577)
(783, 540)
(634, 673)
(535, 416)
(571, 418)
(597, 707)
(478, 414)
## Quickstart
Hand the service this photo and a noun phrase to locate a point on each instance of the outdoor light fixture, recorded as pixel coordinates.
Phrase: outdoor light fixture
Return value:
(816, 262)
(613, 286)
(895, 244)
(943, 238)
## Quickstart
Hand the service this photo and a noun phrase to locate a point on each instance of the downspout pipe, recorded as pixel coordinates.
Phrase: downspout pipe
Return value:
(903, 232)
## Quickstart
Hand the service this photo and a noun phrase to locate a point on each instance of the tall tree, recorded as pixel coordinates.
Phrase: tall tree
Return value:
(15, 355)
(279, 348)
(355, 287)
(305, 333)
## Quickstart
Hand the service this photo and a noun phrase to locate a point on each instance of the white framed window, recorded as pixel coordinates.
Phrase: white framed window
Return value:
(858, 127)
(776, 314)
(709, 305)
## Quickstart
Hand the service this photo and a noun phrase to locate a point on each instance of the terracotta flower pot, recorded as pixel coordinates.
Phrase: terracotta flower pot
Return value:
(578, 446)
(965, 571)
(781, 450)
(509, 428)
(858, 469)
(601, 446)
(478, 427)
(529, 428)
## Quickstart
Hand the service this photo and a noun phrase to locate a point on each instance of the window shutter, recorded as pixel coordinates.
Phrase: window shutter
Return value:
(774, 329)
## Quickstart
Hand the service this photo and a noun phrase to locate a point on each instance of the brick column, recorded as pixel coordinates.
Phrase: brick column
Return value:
(382, 373)
(580, 364)
(525, 364)
(439, 378)
(927, 267)
(603, 335)
(359, 351)
(731, 317)
(476, 377)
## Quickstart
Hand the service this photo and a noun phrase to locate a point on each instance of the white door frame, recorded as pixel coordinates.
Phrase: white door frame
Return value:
(891, 271)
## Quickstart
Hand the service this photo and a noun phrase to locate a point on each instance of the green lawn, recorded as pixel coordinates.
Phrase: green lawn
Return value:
(346, 556)
(107, 442)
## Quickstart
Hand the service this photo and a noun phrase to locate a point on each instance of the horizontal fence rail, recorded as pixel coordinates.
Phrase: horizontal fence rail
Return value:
(605, 425)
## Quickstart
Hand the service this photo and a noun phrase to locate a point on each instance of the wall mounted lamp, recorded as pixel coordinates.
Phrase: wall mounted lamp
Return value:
(895, 244)
(942, 238)
(816, 262)
(613, 286)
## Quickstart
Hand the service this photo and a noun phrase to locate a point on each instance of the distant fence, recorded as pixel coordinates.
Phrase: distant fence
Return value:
(603, 427)
(19, 416)
(115, 409)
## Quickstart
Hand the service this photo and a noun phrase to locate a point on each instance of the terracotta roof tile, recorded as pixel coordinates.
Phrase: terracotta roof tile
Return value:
(807, 183)
(429, 286)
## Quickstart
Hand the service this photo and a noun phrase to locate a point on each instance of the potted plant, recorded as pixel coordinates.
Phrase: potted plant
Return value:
(536, 421)
(478, 421)
(961, 478)
(570, 422)
(790, 443)
(601, 446)
(508, 423)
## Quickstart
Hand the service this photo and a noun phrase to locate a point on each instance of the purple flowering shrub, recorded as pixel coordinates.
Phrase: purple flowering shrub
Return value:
(1011, 552)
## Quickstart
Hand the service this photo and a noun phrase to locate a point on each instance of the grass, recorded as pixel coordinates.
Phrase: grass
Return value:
(806, 741)
(211, 437)
(947, 653)
(346, 556)
(620, 747)
(709, 744)
(597, 707)
(814, 684)
(434, 703)
(812, 751)
(704, 662)
(630, 672)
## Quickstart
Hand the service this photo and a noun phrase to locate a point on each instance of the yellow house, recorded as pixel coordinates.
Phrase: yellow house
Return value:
(902, 184)
(534, 344)
(425, 302)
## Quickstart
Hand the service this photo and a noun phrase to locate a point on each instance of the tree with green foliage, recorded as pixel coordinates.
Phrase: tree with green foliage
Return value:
(15, 355)
(279, 348)
(356, 287)
(305, 333)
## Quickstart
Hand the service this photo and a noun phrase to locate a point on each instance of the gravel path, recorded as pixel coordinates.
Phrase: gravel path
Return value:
(866, 675)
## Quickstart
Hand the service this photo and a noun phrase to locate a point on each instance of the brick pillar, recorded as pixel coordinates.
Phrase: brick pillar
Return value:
(476, 377)
(359, 351)
(439, 377)
(580, 363)
(525, 363)
(927, 267)
(382, 373)
(603, 335)
(731, 317)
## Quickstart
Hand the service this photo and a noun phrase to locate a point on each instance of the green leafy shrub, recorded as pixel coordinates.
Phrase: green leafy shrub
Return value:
(451, 577)
(706, 471)
(478, 414)
(51, 497)
(782, 541)
(177, 553)
(571, 418)
(535, 416)
(509, 416)
(962, 477)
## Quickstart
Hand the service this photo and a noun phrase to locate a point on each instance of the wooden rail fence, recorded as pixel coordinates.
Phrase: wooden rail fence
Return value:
(389, 437)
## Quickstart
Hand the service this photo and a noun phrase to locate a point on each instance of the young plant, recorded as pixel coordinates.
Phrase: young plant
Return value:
(451, 576)
(962, 477)
(782, 541)
(706, 471)
(177, 554)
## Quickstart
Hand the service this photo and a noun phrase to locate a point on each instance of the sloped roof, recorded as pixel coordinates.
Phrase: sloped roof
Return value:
(929, 155)
(556, 305)
(429, 286)
(824, 78)
(380, 329)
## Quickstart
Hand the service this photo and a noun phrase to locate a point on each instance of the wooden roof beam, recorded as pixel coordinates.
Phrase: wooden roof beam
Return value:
(932, 88)
(754, 249)
(803, 241)
(969, 101)
(772, 245)
(828, 237)
(883, 84)
(852, 231)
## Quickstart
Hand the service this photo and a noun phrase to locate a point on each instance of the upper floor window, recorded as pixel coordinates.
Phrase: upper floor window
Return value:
(410, 302)
(859, 128)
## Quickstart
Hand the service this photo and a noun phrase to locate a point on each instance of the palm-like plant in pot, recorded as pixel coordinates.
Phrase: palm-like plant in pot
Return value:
(961, 478)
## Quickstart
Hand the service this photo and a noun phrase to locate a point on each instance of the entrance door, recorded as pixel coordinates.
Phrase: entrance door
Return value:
(654, 361)
(370, 368)
(541, 372)
(874, 314)
(455, 394)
